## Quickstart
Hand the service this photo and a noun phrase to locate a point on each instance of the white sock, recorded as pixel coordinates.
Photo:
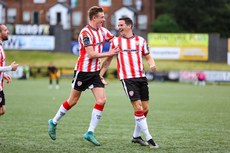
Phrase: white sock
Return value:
(137, 131)
(61, 112)
(142, 123)
(95, 118)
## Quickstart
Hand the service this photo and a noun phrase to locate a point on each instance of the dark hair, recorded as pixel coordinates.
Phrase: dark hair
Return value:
(127, 20)
(93, 11)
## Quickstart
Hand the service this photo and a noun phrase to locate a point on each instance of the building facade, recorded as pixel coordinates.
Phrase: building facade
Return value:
(72, 14)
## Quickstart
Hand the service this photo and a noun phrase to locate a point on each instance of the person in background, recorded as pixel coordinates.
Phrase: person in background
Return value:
(86, 75)
(131, 73)
(3, 68)
(53, 73)
(200, 79)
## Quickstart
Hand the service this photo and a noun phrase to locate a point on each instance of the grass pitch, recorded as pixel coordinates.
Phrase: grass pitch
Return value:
(183, 118)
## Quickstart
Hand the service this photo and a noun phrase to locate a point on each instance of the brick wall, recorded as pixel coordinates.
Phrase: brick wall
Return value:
(83, 6)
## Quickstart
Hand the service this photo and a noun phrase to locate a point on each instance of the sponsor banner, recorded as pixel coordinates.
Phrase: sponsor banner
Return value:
(28, 29)
(188, 76)
(211, 76)
(66, 73)
(75, 47)
(228, 44)
(228, 58)
(165, 52)
(217, 76)
(30, 42)
(179, 46)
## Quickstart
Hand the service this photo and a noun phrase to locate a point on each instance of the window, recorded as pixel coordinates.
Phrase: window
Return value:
(39, 1)
(26, 16)
(2, 14)
(11, 15)
(127, 2)
(36, 18)
(76, 18)
(142, 22)
(48, 17)
(58, 18)
(113, 20)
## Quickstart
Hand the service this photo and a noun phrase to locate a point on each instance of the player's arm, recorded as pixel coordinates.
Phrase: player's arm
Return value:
(12, 67)
(104, 68)
(105, 65)
(151, 62)
(92, 54)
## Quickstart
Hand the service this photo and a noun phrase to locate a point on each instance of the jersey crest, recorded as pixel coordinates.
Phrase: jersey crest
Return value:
(86, 40)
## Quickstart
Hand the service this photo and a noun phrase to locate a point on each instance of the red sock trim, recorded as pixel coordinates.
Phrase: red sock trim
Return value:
(66, 105)
(139, 113)
(146, 113)
(99, 107)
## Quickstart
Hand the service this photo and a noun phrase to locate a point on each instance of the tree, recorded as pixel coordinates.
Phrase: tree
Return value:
(197, 16)
(165, 23)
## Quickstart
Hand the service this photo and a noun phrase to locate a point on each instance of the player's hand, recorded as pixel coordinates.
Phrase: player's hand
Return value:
(103, 81)
(7, 78)
(153, 68)
(114, 51)
(14, 66)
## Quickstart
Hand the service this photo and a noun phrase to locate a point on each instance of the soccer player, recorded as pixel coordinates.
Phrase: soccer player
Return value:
(3, 68)
(53, 74)
(91, 39)
(131, 73)
(201, 79)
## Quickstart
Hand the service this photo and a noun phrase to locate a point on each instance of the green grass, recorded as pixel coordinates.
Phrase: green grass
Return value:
(36, 58)
(183, 118)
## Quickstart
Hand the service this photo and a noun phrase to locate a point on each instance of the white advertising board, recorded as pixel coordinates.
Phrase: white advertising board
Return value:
(33, 42)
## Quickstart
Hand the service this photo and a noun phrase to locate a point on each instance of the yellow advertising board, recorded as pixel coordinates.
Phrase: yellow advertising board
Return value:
(228, 44)
(179, 46)
(228, 60)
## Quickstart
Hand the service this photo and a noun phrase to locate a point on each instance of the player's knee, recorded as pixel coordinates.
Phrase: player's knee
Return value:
(2, 112)
(138, 108)
(101, 101)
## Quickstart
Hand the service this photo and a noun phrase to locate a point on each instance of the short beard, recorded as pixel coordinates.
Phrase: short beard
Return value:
(4, 39)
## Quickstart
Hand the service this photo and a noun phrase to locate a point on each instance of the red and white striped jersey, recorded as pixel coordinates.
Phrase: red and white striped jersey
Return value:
(2, 64)
(129, 58)
(91, 37)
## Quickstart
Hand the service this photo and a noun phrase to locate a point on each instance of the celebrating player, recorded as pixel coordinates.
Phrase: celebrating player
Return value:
(132, 76)
(91, 39)
(13, 67)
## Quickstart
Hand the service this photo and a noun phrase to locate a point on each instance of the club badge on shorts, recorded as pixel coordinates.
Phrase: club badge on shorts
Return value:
(131, 93)
(79, 83)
